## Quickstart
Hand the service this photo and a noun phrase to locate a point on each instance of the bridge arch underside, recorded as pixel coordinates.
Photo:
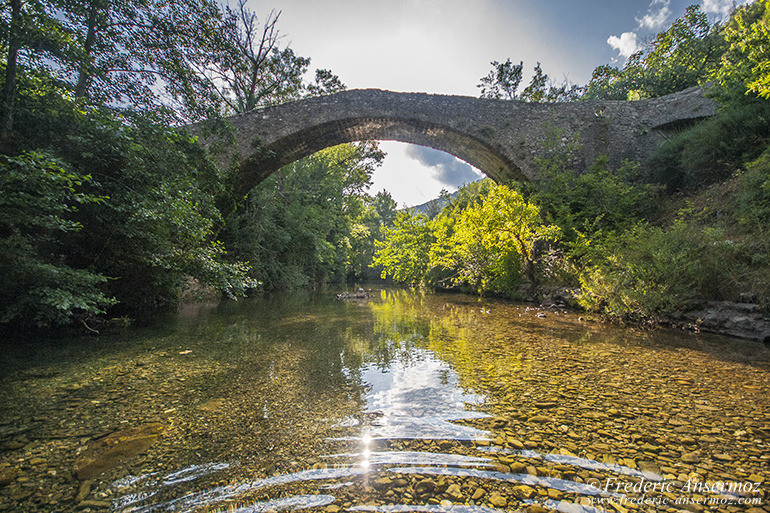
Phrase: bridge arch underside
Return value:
(310, 140)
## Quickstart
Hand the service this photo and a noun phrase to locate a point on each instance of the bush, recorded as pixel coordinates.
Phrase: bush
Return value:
(41, 286)
(714, 149)
(598, 199)
(751, 205)
(648, 270)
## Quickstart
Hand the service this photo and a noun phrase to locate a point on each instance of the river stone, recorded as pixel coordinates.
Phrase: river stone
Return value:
(424, 486)
(454, 492)
(7, 476)
(382, 482)
(478, 493)
(108, 452)
(93, 505)
(83, 491)
(498, 500)
(499, 422)
(691, 457)
(540, 419)
(554, 494)
(212, 404)
(525, 492)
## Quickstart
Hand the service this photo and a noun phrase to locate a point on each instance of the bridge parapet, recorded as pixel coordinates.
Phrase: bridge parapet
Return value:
(501, 138)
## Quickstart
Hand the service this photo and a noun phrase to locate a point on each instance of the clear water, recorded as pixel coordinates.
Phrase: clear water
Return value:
(402, 402)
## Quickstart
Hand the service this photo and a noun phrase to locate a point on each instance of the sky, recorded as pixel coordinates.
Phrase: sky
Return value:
(446, 46)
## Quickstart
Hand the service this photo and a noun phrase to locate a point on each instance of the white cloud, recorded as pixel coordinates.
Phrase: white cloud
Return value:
(719, 7)
(722, 8)
(445, 168)
(625, 44)
(657, 15)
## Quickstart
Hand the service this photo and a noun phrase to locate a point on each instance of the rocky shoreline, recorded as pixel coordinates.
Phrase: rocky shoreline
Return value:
(742, 320)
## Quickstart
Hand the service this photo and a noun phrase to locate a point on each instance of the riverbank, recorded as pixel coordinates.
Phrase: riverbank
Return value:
(743, 320)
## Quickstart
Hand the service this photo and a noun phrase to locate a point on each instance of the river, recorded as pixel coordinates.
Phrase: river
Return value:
(404, 401)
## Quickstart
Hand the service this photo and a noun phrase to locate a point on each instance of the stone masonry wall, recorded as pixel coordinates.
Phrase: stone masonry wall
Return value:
(501, 138)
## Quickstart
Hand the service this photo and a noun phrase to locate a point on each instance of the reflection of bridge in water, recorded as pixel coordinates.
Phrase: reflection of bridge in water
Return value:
(501, 138)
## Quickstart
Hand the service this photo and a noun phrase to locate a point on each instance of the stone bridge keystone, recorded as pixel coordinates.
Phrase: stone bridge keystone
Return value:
(501, 138)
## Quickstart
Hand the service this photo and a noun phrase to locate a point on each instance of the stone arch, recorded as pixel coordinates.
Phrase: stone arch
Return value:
(502, 138)
(311, 139)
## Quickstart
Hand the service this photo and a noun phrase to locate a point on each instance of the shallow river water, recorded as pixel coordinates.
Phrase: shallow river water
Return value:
(400, 402)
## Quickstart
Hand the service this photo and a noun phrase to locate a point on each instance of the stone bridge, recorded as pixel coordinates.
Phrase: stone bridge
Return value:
(499, 137)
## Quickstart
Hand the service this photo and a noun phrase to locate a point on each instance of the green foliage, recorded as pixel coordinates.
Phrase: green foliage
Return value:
(647, 271)
(492, 242)
(147, 223)
(404, 252)
(152, 229)
(716, 252)
(714, 149)
(311, 222)
(746, 63)
(682, 56)
(143, 55)
(158, 228)
(484, 239)
(251, 69)
(366, 230)
(504, 79)
(38, 203)
(599, 199)
(751, 205)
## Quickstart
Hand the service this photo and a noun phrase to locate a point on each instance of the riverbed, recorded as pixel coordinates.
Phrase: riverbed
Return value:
(402, 401)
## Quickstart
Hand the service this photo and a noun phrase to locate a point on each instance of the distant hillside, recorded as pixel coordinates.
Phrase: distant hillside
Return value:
(432, 207)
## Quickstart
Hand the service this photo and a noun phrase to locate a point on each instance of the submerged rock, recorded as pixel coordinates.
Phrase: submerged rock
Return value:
(108, 452)
(360, 294)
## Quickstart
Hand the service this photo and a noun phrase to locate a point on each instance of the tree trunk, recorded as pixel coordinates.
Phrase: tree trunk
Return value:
(9, 90)
(84, 73)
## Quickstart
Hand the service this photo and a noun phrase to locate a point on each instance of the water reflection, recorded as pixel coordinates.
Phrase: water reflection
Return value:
(417, 397)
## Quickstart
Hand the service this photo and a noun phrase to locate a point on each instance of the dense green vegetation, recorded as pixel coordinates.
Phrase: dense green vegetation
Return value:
(641, 241)
(107, 210)
(312, 222)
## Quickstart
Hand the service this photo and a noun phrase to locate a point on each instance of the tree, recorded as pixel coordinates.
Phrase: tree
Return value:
(490, 235)
(682, 56)
(32, 34)
(386, 207)
(254, 71)
(144, 54)
(536, 90)
(404, 253)
(746, 62)
(308, 222)
(598, 199)
(38, 203)
(502, 81)
(325, 83)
